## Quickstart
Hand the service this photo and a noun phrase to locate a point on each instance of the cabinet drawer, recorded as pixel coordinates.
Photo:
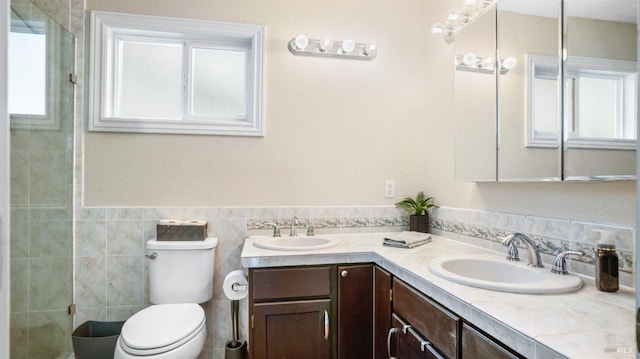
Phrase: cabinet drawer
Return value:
(435, 323)
(291, 283)
(476, 345)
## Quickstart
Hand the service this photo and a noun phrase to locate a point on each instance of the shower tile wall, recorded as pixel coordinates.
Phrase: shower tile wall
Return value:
(41, 239)
(41, 216)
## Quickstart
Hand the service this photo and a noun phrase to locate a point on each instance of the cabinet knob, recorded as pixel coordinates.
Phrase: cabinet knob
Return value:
(344, 274)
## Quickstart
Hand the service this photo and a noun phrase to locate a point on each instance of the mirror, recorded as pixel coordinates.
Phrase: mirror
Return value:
(600, 76)
(553, 120)
(527, 31)
(475, 102)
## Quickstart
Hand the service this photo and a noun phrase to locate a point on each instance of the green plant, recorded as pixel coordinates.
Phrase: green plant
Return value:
(417, 206)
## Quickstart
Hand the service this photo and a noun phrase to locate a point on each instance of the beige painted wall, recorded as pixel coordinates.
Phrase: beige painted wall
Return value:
(335, 130)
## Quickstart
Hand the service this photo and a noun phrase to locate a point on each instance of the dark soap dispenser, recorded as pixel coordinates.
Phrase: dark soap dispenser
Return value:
(606, 263)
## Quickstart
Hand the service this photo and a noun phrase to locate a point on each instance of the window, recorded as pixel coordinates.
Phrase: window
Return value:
(601, 103)
(32, 75)
(600, 106)
(167, 75)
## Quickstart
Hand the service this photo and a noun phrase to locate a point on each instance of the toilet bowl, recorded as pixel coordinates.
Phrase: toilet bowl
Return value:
(164, 331)
(180, 277)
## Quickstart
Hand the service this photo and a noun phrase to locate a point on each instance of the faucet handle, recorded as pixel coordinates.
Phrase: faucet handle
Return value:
(276, 228)
(512, 254)
(507, 241)
(310, 230)
(560, 263)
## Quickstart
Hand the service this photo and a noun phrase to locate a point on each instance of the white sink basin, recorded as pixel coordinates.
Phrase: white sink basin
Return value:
(496, 273)
(296, 243)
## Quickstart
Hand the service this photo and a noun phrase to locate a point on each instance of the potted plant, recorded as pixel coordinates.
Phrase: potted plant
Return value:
(417, 208)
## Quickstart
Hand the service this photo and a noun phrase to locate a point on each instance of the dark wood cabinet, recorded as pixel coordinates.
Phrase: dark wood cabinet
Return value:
(476, 345)
(311, 312)
(381, 311)
(406, 343)
(431, 321)
(355, 311)
(291, 313)
(292, 329)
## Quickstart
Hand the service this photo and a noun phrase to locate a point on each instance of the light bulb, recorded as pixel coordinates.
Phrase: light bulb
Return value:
(453, 15)
(370, 48)
(348, 45)
(301, 42)
(469, 59)
(325, 44)
(437, 29)
(487, 62)
(509, 63)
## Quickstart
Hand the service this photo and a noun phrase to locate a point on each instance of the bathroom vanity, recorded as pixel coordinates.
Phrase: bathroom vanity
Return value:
(331, 306)
(365, 300)
(346, 323)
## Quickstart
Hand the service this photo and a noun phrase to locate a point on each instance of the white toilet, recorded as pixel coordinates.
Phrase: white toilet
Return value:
(180, 277)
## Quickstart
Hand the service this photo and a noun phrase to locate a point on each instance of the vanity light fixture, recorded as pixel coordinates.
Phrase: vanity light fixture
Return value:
(326, 47)
(457, 19)
(469, 61)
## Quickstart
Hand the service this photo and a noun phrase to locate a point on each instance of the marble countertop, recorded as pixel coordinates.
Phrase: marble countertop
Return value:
(583, 324)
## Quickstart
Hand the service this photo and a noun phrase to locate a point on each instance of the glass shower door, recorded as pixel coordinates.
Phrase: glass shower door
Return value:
(41, 97)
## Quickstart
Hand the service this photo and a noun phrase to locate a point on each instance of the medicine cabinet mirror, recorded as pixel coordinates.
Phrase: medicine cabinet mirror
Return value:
(571, 118)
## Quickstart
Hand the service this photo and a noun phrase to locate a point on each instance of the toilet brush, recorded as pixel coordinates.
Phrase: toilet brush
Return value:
(235, 349)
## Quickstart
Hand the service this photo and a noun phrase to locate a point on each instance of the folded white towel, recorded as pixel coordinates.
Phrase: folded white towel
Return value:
(407, 239)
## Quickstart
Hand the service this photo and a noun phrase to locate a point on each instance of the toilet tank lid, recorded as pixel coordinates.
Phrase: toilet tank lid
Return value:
(208, 243)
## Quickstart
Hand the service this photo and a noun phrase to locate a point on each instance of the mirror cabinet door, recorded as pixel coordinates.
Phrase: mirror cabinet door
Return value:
(528, 43)
(523, 113)
(600, 76)
(475, 101)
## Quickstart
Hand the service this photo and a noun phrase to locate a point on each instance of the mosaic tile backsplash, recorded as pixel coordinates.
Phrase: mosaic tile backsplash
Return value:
(484, 228)
(111, 268)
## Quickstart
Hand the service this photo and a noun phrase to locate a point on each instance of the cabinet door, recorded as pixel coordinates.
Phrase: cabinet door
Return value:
(292, 330)
(381, 311)
(406, 343)
(355, 311)
(476, 345)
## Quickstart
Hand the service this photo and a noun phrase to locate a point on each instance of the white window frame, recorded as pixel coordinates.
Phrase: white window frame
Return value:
(545, 67)
(108, 27)
(625, 72)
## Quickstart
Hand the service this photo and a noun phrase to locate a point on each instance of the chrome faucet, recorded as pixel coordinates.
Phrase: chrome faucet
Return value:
(532, 249)
(294, 225)
(560, 264)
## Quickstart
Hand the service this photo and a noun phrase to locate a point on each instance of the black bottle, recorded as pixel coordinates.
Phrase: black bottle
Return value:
(606, 263)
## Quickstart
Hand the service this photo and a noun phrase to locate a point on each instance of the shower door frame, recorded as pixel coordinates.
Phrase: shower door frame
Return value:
(4, 183)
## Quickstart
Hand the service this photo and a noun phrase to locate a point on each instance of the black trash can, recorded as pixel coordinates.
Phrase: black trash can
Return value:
(96, 340)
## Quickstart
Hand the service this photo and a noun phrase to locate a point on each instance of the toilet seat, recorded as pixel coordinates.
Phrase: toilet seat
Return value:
(161, 328)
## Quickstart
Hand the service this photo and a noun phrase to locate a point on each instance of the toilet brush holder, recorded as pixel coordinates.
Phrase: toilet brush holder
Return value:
(235, 349)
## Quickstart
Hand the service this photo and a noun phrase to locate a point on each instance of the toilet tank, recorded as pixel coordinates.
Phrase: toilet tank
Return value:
(181, 271)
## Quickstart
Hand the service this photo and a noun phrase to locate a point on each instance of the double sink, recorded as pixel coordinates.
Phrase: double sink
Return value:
(490, 272)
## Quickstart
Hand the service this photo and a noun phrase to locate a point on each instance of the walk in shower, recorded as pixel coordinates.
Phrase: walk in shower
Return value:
(41, 107)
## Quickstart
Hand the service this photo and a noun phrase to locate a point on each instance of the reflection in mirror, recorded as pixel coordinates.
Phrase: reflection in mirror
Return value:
(475, 101)
(600, 89)
(528, 94)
